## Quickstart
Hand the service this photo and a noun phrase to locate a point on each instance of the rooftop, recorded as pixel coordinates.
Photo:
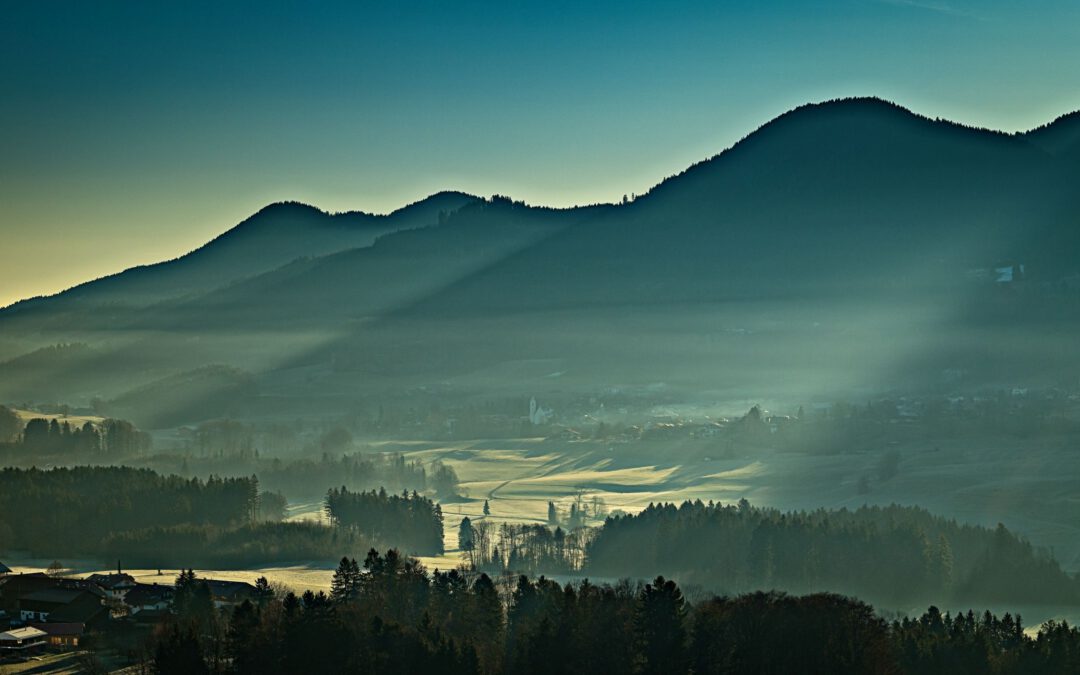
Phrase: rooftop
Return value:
(60, 596)
(148, 594)
(27, 633)
(112, 580)
(226, 589)
(58, 629)
(83, 609)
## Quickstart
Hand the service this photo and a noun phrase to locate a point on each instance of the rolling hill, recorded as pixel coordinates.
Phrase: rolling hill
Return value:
(845, 246)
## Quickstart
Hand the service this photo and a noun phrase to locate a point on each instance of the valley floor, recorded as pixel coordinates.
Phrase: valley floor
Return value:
(1018, 483)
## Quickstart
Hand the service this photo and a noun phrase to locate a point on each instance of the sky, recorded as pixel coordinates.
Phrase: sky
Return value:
(132, 132)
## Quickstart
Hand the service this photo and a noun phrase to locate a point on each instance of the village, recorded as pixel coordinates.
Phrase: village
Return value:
(54, 612)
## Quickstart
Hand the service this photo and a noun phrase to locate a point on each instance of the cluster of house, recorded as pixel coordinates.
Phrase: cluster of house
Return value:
(38, 610)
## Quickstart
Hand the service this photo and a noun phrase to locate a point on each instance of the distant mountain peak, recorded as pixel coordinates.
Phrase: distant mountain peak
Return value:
(1060, 137)
(444, 200)
(835, 123)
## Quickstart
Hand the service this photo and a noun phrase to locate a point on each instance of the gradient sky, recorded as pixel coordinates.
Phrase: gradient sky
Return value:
(134, 131)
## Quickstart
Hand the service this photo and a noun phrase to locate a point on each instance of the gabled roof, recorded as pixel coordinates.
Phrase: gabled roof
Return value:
(60, 629)
(112, 580)
(150, 615)
(148, 594)
(230, 589)
(50, 596)
(20, 584)
(27, 633)
(82, 609)
(4, 569)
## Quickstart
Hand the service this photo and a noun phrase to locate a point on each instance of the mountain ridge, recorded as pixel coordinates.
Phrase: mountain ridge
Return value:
(1063, 133)
(852, 203)
(282, 220)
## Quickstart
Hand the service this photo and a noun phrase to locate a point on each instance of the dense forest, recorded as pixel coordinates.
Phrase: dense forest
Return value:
(68, 511)
(395, 617)
(890, 554)
(225, 447)
(306, 479)
(146, 519)
(413, 520)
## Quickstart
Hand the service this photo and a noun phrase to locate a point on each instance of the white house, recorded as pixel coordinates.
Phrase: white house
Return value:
(22, 639)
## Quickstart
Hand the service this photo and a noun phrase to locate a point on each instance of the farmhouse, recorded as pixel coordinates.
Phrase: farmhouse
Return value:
(39, 605)
(21, 640)
(12, 586)
(64, 635)
(230, 593)
(114, 585)
(61, 604)
(148, 598)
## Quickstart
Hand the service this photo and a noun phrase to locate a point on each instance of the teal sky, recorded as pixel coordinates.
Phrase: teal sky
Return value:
(134, 131)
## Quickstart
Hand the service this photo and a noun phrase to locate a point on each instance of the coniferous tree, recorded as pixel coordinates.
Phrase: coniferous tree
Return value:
(179, 653)
(340, 583)
(466, 535)
(660, 628)
(10, 424)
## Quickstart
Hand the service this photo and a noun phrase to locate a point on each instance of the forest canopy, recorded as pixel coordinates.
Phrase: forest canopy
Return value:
(389, 614)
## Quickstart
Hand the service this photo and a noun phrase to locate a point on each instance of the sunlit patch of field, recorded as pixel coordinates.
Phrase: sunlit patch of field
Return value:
(519, 481)
(980, 485)
(1023, 488)
(74, 420)
(519, 478)
(65, 663)
(751, 470)
(306, 512)
(313, 576)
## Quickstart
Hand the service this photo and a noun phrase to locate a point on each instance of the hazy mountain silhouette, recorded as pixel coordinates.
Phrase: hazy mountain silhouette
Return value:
(274, 236)
(1060, 137)
(789, 235)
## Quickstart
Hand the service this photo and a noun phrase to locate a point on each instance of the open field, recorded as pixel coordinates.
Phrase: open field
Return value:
(1018, 483)
(65, 663)
(74, 420)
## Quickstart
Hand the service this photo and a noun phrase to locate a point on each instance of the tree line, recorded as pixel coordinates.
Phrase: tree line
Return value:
(66, 511)
(396, 617)
(309, 478)
(412, 520)
(42, 438)
(245, 546)
(522, 547)
(304, 479)
(893, 555)
(147, 519)
(889, 554)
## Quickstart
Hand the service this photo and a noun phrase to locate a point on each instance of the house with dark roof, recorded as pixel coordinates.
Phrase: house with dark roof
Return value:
(86, 609)
(230, 593)
(4, 569)
(148, 597)
(61, 604)
(63, 635)
(40, 604)
(14, 585)
(150, 617)
(115, 584)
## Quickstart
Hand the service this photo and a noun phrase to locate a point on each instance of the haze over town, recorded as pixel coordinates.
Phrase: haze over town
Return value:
(332, 343)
